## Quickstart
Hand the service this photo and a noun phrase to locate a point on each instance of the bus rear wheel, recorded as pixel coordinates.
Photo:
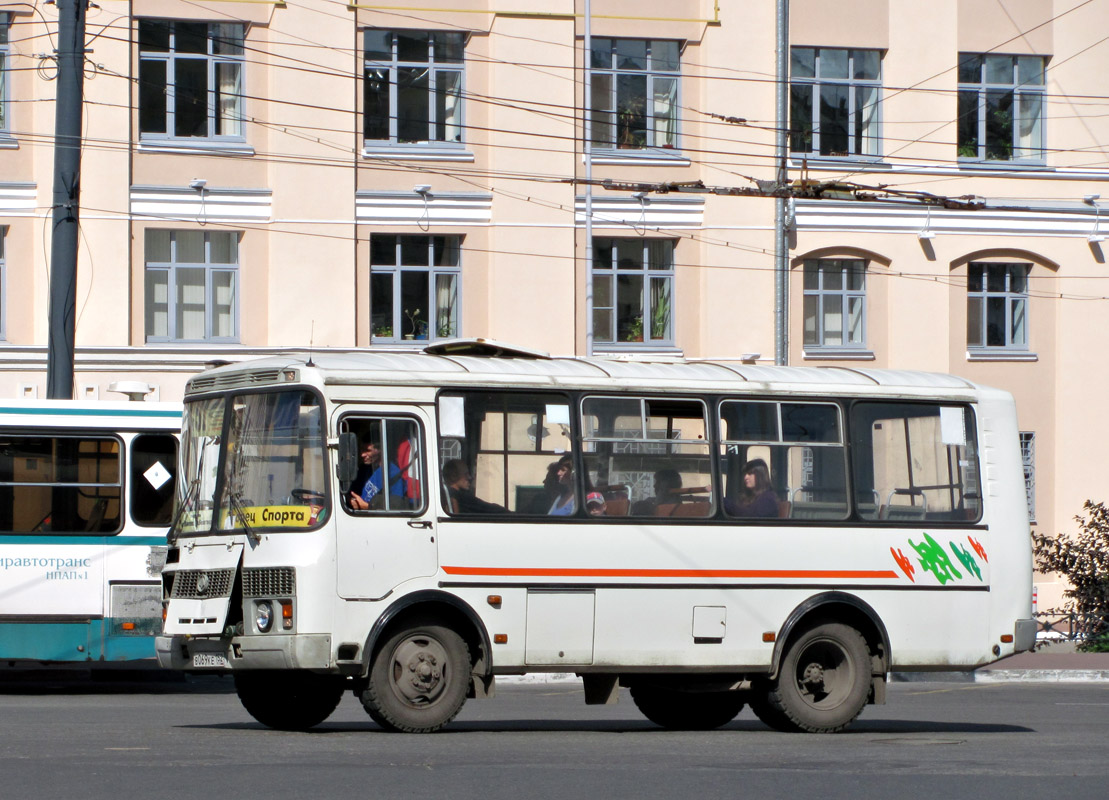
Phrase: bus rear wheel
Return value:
(824, 681)
(686, 711)
(289, 701)
(418, 679)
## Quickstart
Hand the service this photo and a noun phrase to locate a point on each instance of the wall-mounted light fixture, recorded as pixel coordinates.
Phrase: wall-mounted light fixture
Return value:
(198, 184)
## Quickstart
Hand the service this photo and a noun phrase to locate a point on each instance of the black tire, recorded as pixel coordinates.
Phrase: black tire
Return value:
(289, 701)
(768, 714)
(686, 711)
(418, 679)
(824, 680)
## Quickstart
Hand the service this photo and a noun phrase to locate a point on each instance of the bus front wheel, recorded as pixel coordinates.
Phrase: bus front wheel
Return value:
(418, 679)
(824, 680)
(686, 711)
(289, 701)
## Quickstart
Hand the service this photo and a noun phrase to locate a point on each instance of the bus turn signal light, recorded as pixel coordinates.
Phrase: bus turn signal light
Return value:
(500, 638)
(494, 600)
(128, 626)
(1006, 638)
(769, 636)
(286, 614)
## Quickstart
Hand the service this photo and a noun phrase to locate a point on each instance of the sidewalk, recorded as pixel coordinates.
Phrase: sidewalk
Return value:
(1056, 662)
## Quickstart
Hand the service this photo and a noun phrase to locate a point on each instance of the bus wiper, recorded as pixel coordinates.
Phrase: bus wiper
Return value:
(236, 501)
(175, 525)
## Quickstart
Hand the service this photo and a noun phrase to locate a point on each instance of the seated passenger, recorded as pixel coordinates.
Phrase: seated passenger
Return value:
(366, 490)
(595, 504)
(668, 487)
(564, 505)
(757, 498)
(457, 477)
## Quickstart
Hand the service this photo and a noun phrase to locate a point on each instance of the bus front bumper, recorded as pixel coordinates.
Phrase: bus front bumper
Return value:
(214, 654)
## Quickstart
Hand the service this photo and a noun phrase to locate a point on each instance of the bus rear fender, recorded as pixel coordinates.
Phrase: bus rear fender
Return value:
(849, 610)
(452, 612)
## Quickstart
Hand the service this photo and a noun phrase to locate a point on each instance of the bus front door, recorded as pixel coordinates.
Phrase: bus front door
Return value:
(385, 524)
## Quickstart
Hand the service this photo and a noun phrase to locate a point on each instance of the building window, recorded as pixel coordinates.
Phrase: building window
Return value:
(190, 79)
(413, 87)
(192, 286)
(3, 285)
(633, 288)
(1028, 460)
(635, 93)
(5, 52)
(413, 287)
(833, 101)
(997, 305)
(1001, 101)
(835, 303)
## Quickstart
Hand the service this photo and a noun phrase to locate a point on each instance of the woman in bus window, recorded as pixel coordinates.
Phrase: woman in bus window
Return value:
(757, 498)
(564, 504)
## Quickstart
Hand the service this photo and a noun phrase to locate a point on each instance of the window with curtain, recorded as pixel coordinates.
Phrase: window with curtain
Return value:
(633, 287)
(833, 102)
(4, 59)
(834, 304)
(192, 286)
(997, 306)
(412, 87)
(635, 93)
(190, 80)
(1001, 107)
(414, 287)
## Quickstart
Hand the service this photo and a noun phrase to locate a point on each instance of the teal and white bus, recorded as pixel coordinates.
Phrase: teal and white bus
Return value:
(86, 496)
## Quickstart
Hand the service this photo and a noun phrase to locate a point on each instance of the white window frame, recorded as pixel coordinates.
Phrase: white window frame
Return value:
(211, 268)
(620, 334)
(861, 144)
(404, 319)
(1028, 462)
(1013, 303)
(605, 66)
(996, 77)
(225, 110)
(823, 297)
(439, 65)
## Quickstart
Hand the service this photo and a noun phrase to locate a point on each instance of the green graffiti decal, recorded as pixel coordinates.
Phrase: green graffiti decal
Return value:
(966, 559)
(934, 559)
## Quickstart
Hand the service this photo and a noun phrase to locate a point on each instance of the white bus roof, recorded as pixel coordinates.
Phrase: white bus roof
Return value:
(109, 415)
(445, 371)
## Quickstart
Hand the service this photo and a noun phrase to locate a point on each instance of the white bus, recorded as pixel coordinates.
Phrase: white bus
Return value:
(710, 535)
(86, 497)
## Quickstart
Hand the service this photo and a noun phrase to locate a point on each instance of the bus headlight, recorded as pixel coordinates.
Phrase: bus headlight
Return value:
(263, 615)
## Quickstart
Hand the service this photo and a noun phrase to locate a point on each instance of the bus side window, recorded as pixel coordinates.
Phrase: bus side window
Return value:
(390, 474)
(153, 478)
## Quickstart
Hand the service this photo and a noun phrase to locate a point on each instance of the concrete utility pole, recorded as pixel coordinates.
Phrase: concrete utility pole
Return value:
(781, 233)
(67, 197)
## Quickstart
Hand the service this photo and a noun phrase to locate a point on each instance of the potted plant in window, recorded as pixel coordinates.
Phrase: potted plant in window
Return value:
(660, 318)
(634, 331)
(413, 323)
(385, 331)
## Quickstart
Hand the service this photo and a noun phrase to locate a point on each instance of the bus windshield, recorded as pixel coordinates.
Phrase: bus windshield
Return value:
(257, 460)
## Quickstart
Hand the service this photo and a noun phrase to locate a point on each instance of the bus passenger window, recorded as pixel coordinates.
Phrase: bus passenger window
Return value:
(153, 478)
(648, 457)
(784, 460)
(915, 462)
(390, 468)
(500, 453)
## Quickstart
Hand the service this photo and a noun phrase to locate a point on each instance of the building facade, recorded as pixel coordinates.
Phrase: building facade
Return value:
(271, 175)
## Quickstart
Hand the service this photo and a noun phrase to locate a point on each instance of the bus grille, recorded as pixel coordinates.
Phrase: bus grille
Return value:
(235, 380)
(198, 584)
(269, 582)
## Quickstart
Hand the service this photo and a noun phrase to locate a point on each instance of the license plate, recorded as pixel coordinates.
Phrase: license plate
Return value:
(210, 660)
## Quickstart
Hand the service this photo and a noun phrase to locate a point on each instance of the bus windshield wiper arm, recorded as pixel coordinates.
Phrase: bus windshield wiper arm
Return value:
(236, 501)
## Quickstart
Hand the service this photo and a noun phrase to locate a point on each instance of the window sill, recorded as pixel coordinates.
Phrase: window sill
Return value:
(206, 146)
(802, 160)
(1037, 165)
(8, 142)
(649, 157)
(636, 349)
(192, 343)
(827, 354)
(409, 153)
(999, 354)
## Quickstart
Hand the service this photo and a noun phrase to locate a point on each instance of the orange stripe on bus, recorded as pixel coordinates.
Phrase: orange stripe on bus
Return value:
(669, 573)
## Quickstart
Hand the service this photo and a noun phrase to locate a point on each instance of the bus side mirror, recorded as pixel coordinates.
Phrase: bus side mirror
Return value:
(347, 468)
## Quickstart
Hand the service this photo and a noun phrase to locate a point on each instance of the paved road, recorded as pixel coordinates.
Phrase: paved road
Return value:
(933, 740)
